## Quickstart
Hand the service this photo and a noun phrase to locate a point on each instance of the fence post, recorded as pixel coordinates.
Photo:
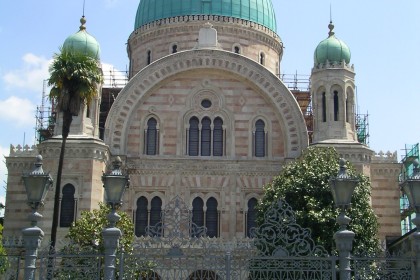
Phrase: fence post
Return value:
(344, 243)
(228, 264)
(111, 240)
(32, 238)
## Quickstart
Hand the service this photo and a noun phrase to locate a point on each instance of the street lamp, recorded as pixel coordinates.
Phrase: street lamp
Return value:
(115, 184)
(36, 184)
(411, 187)
(342, 188)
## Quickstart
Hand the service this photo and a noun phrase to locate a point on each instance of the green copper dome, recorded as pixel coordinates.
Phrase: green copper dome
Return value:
(332, 49)
(258, 11)
(83, 42)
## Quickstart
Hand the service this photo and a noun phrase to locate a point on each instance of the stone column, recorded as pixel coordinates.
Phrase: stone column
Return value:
(32, 238)
(111, 237)
(344, 242)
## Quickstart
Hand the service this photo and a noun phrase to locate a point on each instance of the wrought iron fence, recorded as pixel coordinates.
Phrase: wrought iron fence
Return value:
(279, 249)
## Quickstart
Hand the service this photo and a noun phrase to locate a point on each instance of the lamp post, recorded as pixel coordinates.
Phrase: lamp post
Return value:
(342, 188)
(411, 187)
(115, 184)
(36, 185)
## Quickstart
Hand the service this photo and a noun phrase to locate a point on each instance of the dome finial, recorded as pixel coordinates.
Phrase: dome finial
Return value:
(331, 28)
(82, 21)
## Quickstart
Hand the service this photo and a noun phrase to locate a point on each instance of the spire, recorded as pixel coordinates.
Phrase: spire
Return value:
(331, 25)
(83, 19)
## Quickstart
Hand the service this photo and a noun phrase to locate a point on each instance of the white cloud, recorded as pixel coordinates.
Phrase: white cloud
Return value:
(18, 111)
(30, 76)
(3, 173)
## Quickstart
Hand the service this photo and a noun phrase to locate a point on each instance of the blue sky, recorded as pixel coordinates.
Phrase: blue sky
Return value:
(384, 38)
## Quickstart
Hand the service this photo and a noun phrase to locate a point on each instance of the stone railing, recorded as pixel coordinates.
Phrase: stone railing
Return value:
(332, 65)
(16, 151)
(387, 157)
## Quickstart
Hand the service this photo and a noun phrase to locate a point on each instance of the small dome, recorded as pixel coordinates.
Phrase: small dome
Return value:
(258, 11)
(83, 42)
(332, 49)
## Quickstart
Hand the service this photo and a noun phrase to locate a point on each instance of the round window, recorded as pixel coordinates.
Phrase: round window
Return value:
(206, 103)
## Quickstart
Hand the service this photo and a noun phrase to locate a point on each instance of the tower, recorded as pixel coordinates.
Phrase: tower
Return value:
(86, 123)
(333, 92)
(84, 162)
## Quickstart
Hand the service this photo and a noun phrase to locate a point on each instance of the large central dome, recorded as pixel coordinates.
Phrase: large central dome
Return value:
(258, 11)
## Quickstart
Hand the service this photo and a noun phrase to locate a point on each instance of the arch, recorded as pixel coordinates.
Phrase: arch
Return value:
(260, 139)
(198, 212)
(350, 114)
(151, 137)
(237, 48)
(336, 105)
(148, 57)
(67, 206)
(324, 107)
(206, 136)
(251, 215)
(142, 216)
(218, 137)
(212, 218)
(193, 137)
(155, 211)
(174, 48)
(271, 87)
(261, 58)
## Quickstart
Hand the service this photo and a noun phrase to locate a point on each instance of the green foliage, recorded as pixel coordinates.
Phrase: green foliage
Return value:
(86, 232)
(4, 263)
(75, 79)
(304, 184)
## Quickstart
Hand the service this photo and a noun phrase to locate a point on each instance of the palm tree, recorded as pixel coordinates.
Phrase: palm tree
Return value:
(75, 79)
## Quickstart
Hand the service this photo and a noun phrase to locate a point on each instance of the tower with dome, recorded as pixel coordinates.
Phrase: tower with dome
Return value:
(204, 116)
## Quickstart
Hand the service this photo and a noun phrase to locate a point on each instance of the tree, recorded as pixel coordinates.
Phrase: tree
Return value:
(75, 79)
(4, 263)
(304, 184)
(86, 232)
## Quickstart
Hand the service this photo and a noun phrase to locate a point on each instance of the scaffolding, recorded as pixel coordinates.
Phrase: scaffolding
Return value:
(45, 117)
(362, 128)
(411, 153)
(115, 78)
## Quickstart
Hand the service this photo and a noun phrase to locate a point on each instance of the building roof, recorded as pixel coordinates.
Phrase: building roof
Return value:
(332, 49)
(83, 42)
(258, 11)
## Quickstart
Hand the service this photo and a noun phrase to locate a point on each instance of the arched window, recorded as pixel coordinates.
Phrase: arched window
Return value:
(68, 205)
(193, 137)
(156, 212)
(197, 213)
(151, 137)
(174, 48)
(347, 109)
(259, 141)
(324, 108)
(212, 218)
(218, 137)
(141, 217)
(335, 105)
(207, 141)
(237, 49)
(251, 216)
(206, 137)
(262, 58)
(149, 57)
